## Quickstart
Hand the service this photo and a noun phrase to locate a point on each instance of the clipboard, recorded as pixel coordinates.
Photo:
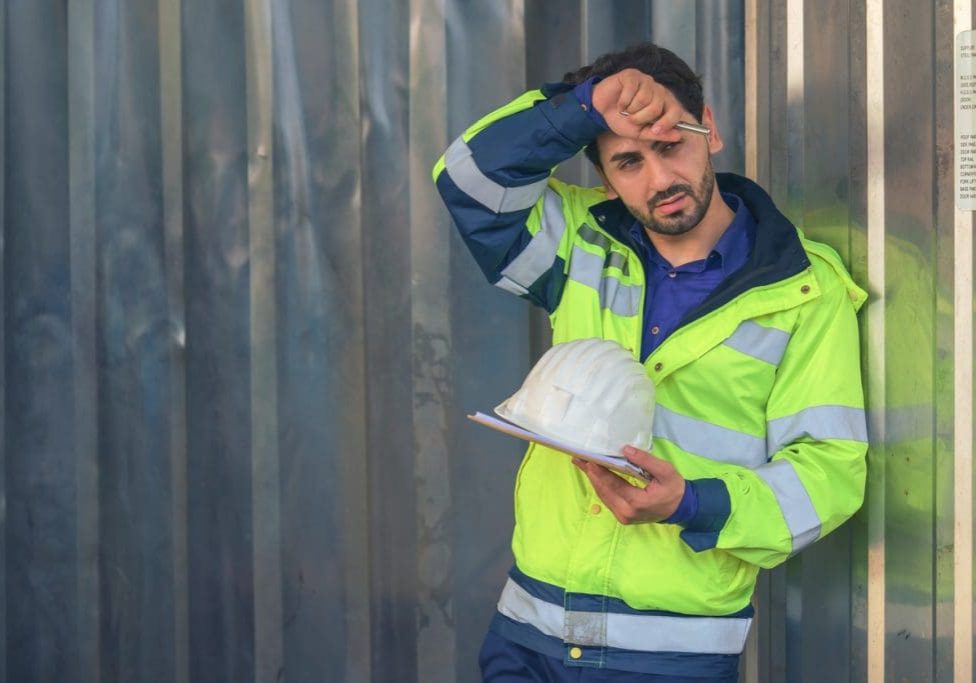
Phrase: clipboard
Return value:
(618, 464)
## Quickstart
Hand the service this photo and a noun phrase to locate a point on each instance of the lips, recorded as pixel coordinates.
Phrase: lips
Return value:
(672, 204)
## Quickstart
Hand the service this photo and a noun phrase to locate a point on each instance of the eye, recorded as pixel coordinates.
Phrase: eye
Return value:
(670, 147)
(629, 163)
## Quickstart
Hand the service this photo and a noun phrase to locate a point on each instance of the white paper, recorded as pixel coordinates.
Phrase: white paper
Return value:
(620, 464)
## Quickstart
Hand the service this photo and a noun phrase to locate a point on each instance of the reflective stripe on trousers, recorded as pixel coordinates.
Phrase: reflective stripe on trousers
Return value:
(641, 632)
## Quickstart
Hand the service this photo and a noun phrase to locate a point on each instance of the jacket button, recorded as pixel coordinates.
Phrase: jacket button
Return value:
(575, 652)
(658, 366)
(805, 289)
(655, 329)
(595, 509)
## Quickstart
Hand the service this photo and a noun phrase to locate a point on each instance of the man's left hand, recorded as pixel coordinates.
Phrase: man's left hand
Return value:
(631, 504)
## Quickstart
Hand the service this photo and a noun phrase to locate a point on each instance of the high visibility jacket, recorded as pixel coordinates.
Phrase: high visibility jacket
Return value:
(759, 397)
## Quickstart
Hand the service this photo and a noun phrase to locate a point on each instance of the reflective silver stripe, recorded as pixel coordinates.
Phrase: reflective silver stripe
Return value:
(763, 343)
(591, 236)
(617, 260)
(510, 286)
(587, 269)
(794, 502)
(709, 440)
(818, 423)
(465, 173)
(538, 255)
(641, 632)
(614, 258)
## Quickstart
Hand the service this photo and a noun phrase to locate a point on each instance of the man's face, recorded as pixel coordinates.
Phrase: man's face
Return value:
(667, 186)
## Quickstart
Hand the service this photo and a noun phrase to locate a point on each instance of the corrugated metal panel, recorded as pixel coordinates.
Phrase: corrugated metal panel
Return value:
(851, 127)
(240, 335)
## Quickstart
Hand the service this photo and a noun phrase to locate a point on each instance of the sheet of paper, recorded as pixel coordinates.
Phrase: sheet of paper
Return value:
(616, 464)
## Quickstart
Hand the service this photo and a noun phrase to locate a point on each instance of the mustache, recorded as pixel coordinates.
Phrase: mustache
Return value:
(668, 193)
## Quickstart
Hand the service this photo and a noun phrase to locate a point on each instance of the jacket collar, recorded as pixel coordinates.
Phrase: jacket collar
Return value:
(777, 254)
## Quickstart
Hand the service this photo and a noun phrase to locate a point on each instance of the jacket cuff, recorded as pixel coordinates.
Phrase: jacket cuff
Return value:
(687, 508)
(584, 93)
(572, 118)
(714, 507)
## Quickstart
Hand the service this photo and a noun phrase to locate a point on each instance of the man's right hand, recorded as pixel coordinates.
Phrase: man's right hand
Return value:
(634, 105)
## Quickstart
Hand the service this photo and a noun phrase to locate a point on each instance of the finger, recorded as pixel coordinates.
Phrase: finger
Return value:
(609, 487)
(626, 100)
(656, 467)
(646, 107)
(665, 124)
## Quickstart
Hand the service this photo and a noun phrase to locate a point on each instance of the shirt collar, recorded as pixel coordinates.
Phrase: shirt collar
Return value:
(732, 248)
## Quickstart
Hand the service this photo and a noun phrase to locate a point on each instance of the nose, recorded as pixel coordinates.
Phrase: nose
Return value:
(659, 176)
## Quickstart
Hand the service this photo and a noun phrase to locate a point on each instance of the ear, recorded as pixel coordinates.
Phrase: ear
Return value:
(715, 144)
(611, 193)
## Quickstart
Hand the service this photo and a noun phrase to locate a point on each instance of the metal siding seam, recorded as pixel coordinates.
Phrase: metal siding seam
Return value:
(752, 89)
(708, 440)
(265, 486)
(171, 136)
(83, 260)
(819, 423)
(794, 502)
(540, 252)
(767, 344)
(796, 126)
(962, 647)
(431, 345)
(750, 664)
(3, 356)
(461, 167)
(875, 179)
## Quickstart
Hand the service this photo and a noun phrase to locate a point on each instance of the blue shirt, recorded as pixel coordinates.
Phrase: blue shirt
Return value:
(672, 292)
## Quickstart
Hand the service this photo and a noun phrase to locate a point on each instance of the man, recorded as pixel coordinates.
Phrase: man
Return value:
(748, 331)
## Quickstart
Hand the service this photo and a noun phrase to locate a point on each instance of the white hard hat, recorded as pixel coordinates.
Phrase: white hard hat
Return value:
(589, 393)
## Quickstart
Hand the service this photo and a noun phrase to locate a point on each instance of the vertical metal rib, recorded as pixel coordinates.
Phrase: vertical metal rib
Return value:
(587, 177)
(962, 659)
(795, 87)
(265, 487)
(171, 118)
(875, 112)
(750, 661)
(752, 88)
(83, 240)
(432, 345)
(3, 358)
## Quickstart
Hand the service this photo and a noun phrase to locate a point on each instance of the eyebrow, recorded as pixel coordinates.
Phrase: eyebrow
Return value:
(631, 155)
(625, 156)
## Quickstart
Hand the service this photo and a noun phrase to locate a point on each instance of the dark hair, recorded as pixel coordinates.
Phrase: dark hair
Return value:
(659, 63)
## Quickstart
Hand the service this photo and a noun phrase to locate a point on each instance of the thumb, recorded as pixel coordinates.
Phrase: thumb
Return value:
(656, 467)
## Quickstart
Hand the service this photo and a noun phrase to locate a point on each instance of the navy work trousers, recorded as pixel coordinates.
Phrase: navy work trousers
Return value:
(503, 661)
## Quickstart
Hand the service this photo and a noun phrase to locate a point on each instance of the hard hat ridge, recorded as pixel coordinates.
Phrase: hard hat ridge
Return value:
(590, 393)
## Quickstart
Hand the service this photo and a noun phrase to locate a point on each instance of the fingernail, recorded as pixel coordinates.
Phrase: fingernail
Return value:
(623, 113)
(656, 130)
(629, 450)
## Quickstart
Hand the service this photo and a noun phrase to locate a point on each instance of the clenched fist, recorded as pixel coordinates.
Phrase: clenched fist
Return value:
(634, 105)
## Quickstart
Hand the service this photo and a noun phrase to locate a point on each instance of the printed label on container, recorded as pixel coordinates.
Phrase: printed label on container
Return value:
(965, 107)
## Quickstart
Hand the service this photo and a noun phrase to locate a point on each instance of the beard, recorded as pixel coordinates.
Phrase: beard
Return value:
(682, 221)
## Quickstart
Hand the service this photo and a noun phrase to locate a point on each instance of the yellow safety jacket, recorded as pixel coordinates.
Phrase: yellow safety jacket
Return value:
(760, 404)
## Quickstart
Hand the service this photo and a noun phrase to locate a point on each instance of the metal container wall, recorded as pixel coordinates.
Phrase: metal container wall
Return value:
(849, 123)
(240, 335)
